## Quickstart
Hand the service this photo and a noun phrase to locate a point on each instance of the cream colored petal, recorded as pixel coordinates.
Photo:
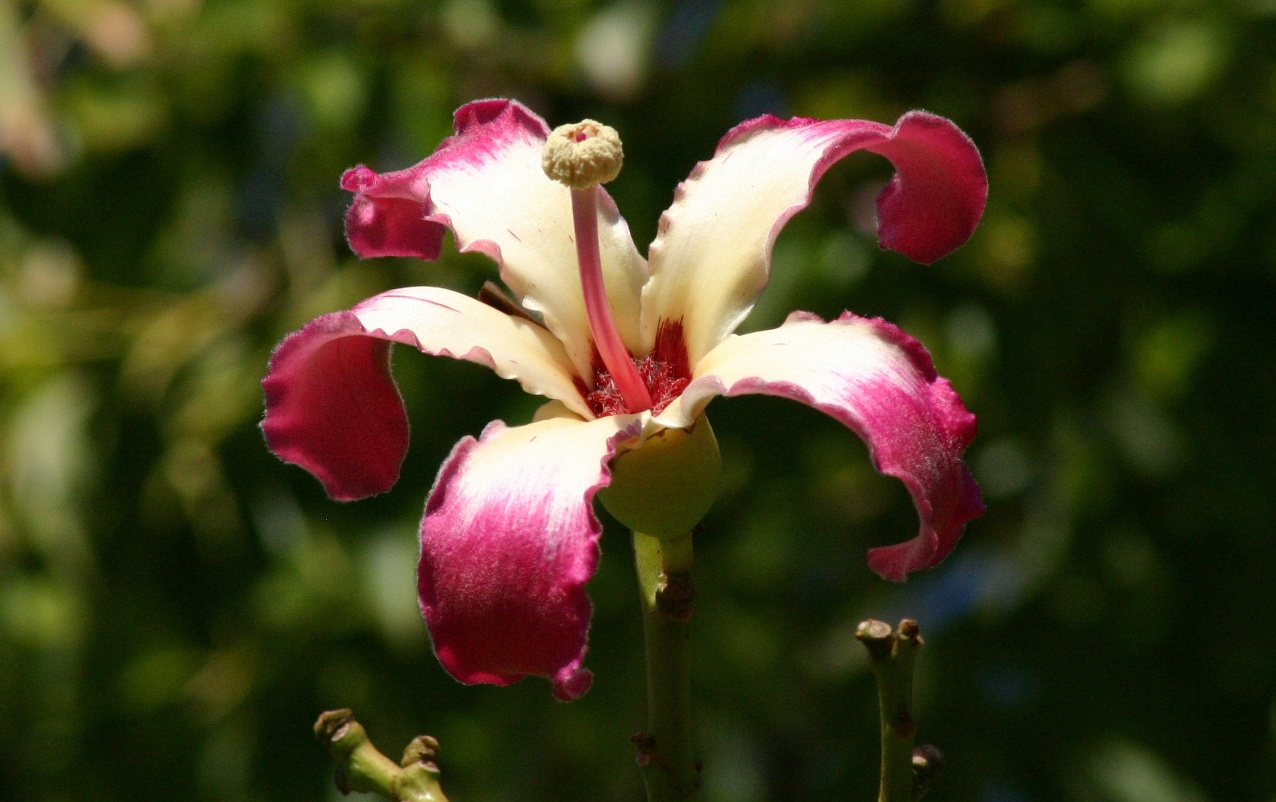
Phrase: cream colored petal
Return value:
(446, 323)
(880, 383)
(712, 257)
(486, 184)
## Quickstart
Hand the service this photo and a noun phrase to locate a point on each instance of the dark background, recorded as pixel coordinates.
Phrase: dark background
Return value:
(176, 606)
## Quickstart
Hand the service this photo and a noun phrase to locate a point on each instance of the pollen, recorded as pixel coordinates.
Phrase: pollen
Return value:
(583, 154)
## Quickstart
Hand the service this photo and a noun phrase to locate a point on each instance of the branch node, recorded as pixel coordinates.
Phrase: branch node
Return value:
(877, 639)
(340, 731)
(647, 752)
(422, 749)
(928, 763)
(362, 767)
(892, 654)
(904, 725)
(676, 595)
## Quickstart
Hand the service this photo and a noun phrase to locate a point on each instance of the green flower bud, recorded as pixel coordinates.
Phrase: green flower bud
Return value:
(665, 487)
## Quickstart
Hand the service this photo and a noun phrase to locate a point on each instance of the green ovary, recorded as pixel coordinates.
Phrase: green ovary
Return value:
(665, 487)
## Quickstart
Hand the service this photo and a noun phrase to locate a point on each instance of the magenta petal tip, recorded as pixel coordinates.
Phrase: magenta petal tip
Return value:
(882, 385)
(937, 196)
(573, 684)
(508, 541)
(332, 407)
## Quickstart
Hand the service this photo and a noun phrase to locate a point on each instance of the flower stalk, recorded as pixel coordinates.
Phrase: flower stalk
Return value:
(892, 655)
(666, 751)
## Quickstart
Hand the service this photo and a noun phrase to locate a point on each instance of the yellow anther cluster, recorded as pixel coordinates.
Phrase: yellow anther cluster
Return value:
(583, 154)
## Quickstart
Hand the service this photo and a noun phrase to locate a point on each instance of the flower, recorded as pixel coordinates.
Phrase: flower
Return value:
(509, 537)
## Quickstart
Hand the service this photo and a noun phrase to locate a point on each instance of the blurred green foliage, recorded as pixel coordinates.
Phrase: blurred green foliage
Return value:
(176, 606)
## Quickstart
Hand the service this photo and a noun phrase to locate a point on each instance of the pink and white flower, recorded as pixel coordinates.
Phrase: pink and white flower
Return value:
(509, 538)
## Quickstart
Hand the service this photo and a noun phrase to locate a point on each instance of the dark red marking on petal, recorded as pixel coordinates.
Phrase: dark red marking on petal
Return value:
(665, 372)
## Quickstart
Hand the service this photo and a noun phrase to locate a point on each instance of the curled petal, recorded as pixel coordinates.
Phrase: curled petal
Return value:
(332, 406)
(508, 541)
(881, 384)
(385, 225)
(712, 256)
(486, 184)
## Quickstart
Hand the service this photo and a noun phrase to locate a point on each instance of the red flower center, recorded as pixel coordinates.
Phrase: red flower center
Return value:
(664, 371)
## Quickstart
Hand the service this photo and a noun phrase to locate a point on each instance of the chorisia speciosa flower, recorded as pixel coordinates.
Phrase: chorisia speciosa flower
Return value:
(628, 350)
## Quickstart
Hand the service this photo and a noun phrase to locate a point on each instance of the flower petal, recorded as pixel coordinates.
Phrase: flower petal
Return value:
(332, 406)
(385, 225)
(712, 256)
(508, 541)
(880, 383)
(487, 185)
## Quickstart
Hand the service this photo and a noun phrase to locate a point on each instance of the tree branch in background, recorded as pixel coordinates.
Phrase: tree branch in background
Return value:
(363, 768)
(906, 773)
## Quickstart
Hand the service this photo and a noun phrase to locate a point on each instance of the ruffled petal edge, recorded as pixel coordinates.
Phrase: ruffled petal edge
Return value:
(508, 541)
(879, 382)
(333, 408)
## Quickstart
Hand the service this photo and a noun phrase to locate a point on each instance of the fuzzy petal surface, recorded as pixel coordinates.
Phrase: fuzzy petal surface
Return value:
(486, 184)
(332, 406)
(881, 384)
(711, 258)
(508, 541)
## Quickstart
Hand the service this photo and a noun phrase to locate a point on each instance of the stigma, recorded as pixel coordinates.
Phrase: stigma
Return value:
(582, 156)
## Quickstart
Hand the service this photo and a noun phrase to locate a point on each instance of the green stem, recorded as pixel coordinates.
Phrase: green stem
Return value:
(891, 657)
(363, 768)
(666, 751)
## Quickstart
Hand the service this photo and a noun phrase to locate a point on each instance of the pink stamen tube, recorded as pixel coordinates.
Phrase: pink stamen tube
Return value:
(601, 323)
